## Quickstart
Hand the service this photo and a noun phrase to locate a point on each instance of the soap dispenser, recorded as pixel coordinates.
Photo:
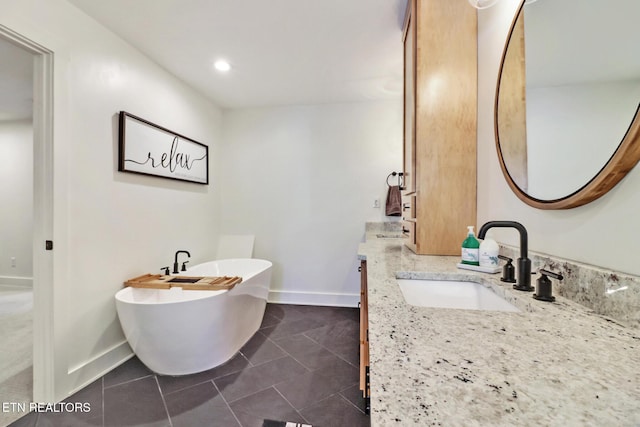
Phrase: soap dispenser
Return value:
(471, 248)
(489, 250)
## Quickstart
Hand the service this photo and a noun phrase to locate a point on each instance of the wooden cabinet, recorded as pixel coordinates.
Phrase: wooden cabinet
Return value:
(364, 336)
(440, 108)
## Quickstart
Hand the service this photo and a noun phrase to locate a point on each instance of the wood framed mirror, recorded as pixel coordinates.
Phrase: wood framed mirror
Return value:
(567, 105)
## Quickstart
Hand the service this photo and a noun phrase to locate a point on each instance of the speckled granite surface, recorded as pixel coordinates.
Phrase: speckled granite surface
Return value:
(607, 292)
(553, 364)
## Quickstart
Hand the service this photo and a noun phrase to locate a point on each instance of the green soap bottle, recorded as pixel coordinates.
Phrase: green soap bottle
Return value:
(471, 248)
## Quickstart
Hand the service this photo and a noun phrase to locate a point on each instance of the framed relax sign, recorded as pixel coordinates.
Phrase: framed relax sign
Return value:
(149, 149)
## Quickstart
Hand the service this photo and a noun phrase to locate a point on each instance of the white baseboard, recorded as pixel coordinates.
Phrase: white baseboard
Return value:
(25, 282)
(84, 374)
(314, 298)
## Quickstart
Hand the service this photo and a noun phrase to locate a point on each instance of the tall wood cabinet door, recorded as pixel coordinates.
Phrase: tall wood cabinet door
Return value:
(409, 163)
(440, 121)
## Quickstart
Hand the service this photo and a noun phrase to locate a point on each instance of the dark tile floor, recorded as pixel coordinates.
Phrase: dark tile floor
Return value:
(301, 366)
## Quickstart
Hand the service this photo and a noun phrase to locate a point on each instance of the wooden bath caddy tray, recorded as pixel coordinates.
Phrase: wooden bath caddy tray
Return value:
(159, 281)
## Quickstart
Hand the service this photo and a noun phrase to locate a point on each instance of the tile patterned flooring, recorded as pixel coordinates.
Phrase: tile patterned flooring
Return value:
(16, 348)
(301, 366)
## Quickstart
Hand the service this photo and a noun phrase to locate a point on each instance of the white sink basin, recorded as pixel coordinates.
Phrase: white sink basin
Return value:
(452, 294)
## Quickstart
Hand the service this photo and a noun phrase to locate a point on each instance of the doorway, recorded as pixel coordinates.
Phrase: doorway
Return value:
(16, 226)
(26, 267)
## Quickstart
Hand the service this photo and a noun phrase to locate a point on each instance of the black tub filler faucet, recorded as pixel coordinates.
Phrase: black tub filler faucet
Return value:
(175, 260)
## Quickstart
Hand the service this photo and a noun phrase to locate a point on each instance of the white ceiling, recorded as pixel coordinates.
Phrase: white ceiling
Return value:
(282, 51)
(16, 82)
(297, 51)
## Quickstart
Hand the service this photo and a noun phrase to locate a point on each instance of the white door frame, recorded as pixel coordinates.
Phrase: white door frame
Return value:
(43, 289)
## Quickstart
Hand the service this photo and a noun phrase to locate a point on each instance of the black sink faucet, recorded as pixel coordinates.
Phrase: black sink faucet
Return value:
(175, 260)
(524, 263)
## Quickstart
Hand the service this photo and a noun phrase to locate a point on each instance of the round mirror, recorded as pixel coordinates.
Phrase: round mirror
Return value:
(567, 101)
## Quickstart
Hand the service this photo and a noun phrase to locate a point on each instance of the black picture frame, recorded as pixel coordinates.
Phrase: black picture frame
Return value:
(148, 149)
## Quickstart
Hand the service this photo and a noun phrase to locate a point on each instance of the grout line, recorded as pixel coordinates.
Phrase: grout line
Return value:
(185, 388)
(317, 370)
(226, 403)
(250, 394)
(331, 351)
(294, 408)
(205, 380)
(304, 333)
(251, 365)
(301, 363)
(124, 382)
(291, 355)
(164, 402)
(352, 404)
(245, 358)
(268, 361)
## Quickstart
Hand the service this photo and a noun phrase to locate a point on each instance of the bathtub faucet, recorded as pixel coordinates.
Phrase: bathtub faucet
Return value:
(175, 260)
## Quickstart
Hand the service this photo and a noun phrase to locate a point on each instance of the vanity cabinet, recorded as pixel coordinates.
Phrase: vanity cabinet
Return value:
(364, 336)
(440, 108)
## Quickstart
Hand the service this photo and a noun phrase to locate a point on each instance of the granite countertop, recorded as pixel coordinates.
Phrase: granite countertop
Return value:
(552, 364)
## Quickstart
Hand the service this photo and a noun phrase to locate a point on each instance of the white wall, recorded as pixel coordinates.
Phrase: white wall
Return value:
(303, 179)
(110, 226)
(602, 233)
(579, 118)
(16, 195)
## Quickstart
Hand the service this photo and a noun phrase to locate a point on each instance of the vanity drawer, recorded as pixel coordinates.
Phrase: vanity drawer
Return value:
(409, 231)
(408, 207)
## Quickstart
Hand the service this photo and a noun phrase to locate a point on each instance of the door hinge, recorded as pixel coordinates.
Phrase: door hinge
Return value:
(48, 245)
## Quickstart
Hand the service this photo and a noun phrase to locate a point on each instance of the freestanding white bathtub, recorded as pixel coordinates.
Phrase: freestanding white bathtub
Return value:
(178, 332)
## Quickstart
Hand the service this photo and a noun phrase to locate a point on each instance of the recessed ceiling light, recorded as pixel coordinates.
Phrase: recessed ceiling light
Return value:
(222, 65)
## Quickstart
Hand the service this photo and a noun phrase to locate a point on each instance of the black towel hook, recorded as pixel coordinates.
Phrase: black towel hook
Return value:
(400, 178)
